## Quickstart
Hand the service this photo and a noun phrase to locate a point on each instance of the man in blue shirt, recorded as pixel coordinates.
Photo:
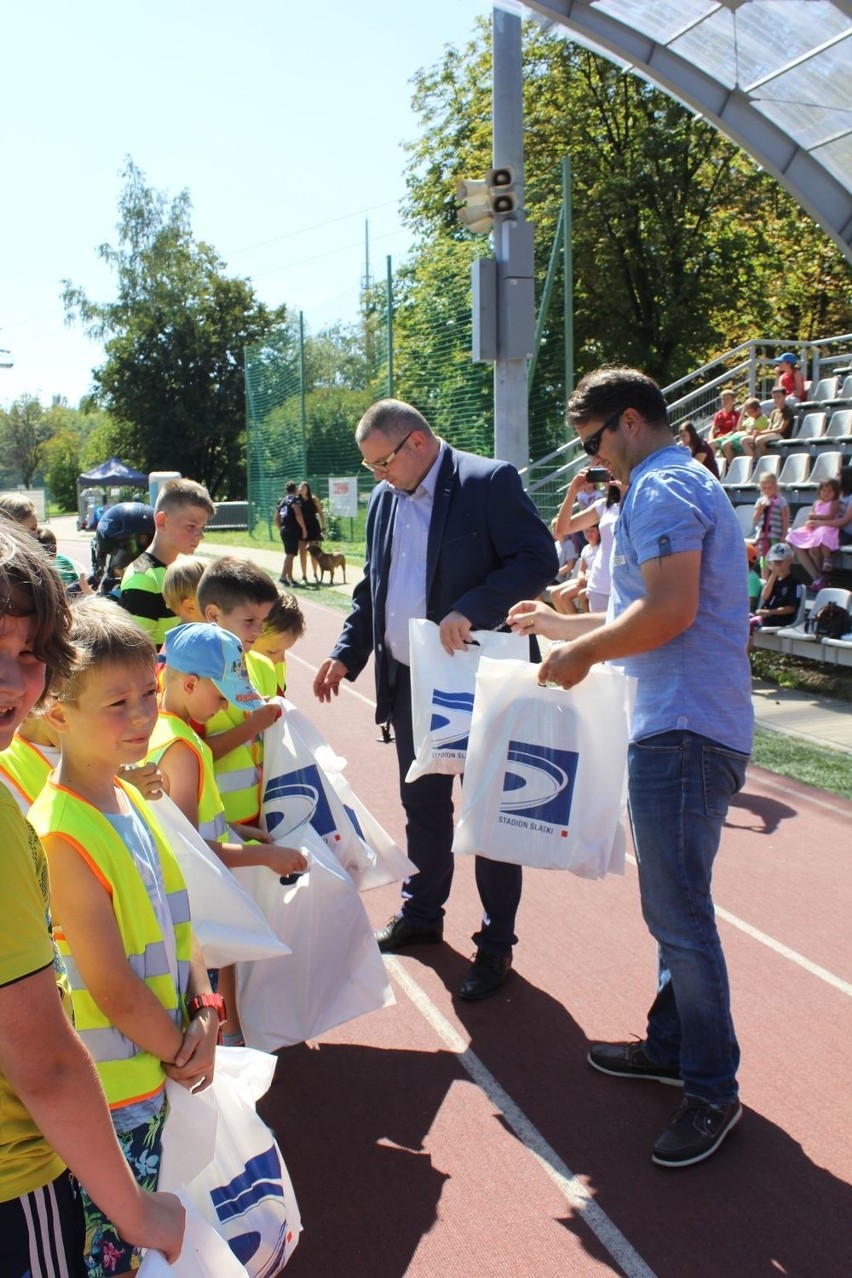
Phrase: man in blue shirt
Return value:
(679, 599)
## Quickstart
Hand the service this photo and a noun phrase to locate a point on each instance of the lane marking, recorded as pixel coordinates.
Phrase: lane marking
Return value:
(807, 965)
(344, 684)
(570, 1186)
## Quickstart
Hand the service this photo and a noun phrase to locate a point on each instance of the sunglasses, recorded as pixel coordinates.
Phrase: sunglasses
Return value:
(386, 461)
(593, 442)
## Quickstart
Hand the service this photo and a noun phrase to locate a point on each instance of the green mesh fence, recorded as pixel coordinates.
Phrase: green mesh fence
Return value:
(306, 390)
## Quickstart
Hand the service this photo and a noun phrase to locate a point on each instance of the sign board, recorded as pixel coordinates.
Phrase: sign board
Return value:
(343, 496)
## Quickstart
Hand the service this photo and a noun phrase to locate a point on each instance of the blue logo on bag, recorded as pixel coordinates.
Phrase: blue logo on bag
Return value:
(538, 783)
(299, 796)
(450, 724)
(249, 1201)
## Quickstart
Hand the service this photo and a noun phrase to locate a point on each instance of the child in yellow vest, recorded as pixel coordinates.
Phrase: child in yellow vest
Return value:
(141, 995)
(283, 626)
(205, 671)
(54, 1114)
(238, 596)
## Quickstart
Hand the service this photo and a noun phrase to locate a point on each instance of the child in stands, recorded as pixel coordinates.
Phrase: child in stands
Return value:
(141, 995)
(180, 586)
(752, 425)
(282, 627)
(727, 419)
(781, 594)
(818, 537)
(771, 517)
(53, 1107)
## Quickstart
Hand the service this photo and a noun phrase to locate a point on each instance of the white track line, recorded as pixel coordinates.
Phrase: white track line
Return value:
(822, 973)
(572, 1189)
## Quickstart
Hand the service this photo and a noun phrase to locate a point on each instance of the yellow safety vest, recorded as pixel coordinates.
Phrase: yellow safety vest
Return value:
(127, 1073)
(238, 774)
(211, 812)
(24, 765)
(261, 671)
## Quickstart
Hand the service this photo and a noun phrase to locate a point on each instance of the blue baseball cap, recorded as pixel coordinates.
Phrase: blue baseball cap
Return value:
(202, 649)
(786, 358)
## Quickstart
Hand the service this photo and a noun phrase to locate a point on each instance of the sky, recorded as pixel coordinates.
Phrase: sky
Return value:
(284, 122)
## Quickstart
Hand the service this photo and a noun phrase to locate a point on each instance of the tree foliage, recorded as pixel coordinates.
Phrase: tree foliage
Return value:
(24, 432)
(682, 247)
(173, 376)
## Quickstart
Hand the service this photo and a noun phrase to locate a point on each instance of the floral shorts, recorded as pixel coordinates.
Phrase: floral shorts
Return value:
(106, 1252)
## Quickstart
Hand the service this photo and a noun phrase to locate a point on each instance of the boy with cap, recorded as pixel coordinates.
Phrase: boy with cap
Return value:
(781, 594)
(205, 671)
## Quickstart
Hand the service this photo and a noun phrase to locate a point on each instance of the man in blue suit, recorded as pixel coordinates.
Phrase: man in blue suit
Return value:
(454, 538)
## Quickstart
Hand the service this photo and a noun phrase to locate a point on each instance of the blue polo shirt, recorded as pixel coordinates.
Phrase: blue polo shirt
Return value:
(700, 681)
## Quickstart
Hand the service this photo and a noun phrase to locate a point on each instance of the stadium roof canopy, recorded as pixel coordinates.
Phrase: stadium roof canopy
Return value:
(775, 76)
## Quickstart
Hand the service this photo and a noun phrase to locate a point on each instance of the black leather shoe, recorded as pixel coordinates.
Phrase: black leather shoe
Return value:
(398, 932)
(487, 973)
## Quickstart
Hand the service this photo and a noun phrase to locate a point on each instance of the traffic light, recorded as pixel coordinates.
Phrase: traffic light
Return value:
(486, 198)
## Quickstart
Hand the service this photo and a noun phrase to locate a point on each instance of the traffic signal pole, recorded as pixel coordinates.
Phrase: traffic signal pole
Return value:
(512, 248)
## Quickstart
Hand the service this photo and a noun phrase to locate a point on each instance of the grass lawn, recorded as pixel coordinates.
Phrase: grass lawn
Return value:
(829, 770)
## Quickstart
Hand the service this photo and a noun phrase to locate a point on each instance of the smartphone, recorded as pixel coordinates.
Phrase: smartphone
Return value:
(598, 475)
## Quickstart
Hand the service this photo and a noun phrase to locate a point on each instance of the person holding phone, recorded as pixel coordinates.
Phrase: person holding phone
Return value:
(601, 512)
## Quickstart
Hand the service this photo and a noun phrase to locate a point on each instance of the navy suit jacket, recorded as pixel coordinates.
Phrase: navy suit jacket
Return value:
(487, 549)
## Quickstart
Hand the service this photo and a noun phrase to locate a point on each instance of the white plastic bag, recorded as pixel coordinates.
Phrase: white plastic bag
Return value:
(546, 777)
(222, 1156)
(204, 1254)
(442, 693)
(335, 971)
(383, 861)
(227, 922)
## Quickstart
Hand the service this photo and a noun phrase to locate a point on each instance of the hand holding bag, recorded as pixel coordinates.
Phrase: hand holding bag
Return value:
(442, 693)
(228, 924)
(225, 1160)
(546, 777)
(204, 1254)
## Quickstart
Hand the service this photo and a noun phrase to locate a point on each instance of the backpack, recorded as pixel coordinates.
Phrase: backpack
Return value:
(831, 621)
(285, 516)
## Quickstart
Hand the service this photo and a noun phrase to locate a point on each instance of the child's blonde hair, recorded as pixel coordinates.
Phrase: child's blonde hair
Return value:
(102, 633)
(17, 507)
(181, 580)
(285, 617)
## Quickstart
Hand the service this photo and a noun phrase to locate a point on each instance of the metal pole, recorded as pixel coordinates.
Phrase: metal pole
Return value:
(568, 261)
(389, 295)
(303, 417)
(511, 405)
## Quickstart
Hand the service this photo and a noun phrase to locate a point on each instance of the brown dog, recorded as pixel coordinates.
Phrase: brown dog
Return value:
(327, 563)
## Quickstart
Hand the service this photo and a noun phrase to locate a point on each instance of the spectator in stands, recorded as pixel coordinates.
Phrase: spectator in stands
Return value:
(789, 375)
(573, 596)
(755, 581)
(771, 517)
(727, 419)
(781, 595)
(752, 423)
(845, 516)
(819, 536)
(780, 425)
(603, 512)
(700, 449)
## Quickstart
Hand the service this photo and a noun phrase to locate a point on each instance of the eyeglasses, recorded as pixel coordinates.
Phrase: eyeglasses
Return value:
(386, 461)
(593, 442)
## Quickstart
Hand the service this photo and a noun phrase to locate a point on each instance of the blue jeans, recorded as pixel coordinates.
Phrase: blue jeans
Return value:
(680, 785)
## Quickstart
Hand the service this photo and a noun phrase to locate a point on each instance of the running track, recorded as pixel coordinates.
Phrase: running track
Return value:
(472, 1140)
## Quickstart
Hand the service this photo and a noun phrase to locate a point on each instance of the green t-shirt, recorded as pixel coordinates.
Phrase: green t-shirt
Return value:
(26, 946)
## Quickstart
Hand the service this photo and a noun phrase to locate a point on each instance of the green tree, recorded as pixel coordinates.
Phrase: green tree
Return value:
(62, 466)
(23, 436)
(682, 247)
(174, 340)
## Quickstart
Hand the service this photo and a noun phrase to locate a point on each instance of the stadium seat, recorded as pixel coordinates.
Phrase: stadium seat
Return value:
(721, 465)
(745, 518)
(737, 472)
(794, 472)
(839, 428)
(764, 466)
(826, 466)
(801, 517)
(828, 594)
(810, 428)
(824, 391)
(844, 394)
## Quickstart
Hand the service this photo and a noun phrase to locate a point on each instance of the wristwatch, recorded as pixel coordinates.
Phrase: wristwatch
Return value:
(197, 1004)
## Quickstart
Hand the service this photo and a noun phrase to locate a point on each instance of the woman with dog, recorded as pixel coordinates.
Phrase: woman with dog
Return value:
(313, 528)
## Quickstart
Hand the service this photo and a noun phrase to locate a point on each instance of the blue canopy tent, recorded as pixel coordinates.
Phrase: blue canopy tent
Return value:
(110, 474)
